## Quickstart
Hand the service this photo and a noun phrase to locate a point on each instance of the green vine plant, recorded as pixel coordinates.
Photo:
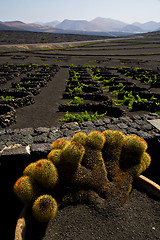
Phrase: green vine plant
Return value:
(76, 89)
(122, 89)
(28, 81)
(141, 74)
(129, 99)
(150, 80)
(19, 87)
(83, 117)
(7, 97)
(76, 100)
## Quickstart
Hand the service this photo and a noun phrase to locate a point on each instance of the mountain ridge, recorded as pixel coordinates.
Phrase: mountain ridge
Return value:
(97, 25)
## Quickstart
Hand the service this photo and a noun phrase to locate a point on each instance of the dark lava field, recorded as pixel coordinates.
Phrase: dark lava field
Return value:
(110, 77)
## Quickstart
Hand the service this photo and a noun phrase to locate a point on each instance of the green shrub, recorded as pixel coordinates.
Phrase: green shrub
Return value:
(76, 100)
(84, 116)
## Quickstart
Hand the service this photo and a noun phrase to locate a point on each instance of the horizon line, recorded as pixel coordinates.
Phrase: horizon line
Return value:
(47, 21)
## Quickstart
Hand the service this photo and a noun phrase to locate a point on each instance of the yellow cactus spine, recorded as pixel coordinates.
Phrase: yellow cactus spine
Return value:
(27, 190)
(55, 156)
(44, 208)
(133, 149)
(80, 137)
(95, 140)
(59, 144)
(137, 169)
(28, 171)
(45, 173)
(72, 154)
(93, 155)
(114, 141)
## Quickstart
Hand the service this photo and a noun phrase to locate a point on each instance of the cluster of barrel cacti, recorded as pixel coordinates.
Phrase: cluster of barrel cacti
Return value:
(106, 163)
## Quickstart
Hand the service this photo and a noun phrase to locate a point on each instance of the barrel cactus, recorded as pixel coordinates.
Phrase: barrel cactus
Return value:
(55, 156)
(27, 190)
(104, 163)
(80, 137)
(45, 173)
(28, 171)
(44, 208)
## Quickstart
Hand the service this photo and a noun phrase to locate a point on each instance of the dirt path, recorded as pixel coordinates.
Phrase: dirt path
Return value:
(44, 111)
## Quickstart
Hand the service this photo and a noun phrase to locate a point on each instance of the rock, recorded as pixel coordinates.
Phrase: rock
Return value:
(42, 138)
(54, 134)
(113, 127)
(89, 125)
(147, 127)
(106, 120)
(72, 126)
(98, 122)
(2, 132)
(134, 125)
(155, 123)
(40, 130)
(122, 125)
(40, 148)
(26, 131)
(16, 149)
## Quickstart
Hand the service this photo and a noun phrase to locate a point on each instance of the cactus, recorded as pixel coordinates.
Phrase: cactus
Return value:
(114, 141)
(28, 171)
(93, 161)
(71, 158)
(72, 154)
(59, 144)
(133, 149)
(80, 137)
(55, 156)
(45, 173)
(137, 169)
(44, 208)
(109, 159)
(145, 162)
(93, 155)
(27, 190)
(95, 140)
(106, 163)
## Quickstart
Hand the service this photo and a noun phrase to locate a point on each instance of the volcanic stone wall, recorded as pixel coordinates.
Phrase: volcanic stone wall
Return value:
(40, 139)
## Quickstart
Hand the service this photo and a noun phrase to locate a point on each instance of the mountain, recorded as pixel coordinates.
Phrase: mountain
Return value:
(132, 28)
(53, 23)
(107, 24)
(21, 26)
(79, 25)
(5, 27)
(148, 26)
(97, 26)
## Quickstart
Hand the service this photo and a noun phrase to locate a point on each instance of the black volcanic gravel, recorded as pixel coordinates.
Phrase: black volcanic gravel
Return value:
(137, 219)
(25, 37)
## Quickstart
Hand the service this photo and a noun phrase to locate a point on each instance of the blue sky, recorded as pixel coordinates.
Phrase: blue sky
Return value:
(129, 11)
